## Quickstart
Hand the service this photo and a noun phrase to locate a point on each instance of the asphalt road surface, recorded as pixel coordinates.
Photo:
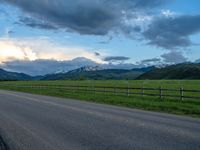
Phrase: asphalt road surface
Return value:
(34, 122)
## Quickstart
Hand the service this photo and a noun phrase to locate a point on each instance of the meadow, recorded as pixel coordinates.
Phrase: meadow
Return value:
(114, 92)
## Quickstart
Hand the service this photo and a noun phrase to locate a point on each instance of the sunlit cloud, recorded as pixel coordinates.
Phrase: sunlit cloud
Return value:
(40, 48)
(10, 51)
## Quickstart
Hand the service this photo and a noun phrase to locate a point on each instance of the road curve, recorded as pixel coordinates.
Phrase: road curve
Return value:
(34, 122)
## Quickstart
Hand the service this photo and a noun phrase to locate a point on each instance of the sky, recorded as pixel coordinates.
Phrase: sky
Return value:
(137, 32)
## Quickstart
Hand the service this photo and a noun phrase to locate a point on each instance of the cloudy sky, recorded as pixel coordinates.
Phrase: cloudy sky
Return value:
(105, 31)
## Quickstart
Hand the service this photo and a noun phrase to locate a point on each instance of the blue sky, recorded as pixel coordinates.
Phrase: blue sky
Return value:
(50, 34)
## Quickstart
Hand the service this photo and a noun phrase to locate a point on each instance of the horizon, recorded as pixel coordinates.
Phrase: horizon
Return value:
(136, 34)
(99, 74)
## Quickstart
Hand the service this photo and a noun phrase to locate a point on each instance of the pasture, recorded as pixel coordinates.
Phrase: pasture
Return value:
(143, 94)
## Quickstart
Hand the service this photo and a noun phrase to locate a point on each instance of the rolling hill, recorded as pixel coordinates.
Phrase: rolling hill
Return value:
(179, 71)
(6, 75)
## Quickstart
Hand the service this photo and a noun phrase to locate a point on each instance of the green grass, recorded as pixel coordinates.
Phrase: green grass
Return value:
(189, 107)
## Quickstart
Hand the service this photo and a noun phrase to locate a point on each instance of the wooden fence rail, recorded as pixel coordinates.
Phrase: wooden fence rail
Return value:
(125, 91)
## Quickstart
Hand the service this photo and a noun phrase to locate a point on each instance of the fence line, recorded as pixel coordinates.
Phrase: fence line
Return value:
(126, 91)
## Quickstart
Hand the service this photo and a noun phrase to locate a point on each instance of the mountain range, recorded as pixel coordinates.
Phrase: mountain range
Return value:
(43, 66)
(6, 75)
(179, 71)
(98, 73)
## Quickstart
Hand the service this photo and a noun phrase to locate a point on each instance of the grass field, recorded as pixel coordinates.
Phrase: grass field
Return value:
(186, 107)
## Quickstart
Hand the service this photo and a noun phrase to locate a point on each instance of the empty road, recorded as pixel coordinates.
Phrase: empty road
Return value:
(34, 122)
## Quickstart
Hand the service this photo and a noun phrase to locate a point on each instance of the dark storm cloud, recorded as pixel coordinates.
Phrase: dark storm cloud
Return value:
(174, 57)
(95, 17)
(173, 32)
(28, 21)
(116, 58)
(100, 17)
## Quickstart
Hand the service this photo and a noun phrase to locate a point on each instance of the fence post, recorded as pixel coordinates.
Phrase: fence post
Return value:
(181, 93)
(161, 92)
(127, 91)
(142, 91)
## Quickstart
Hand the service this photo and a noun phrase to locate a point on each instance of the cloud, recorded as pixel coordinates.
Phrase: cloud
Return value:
(168, 13)
(91, 17)
(106, 41)
(8, 32)
(40, 48)
(11, 51)
(174, 57)
(97, 54)
(47, 66)
(120, 66)
(147, 62)
(34, 23)
(173, 32)
(151, 60)
(115, 58)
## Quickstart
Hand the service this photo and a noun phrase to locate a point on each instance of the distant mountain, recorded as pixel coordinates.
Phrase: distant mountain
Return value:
(179, 71)
(197, 61)
(6, 75)
(43, 66)
(87, 72)
(144, 69)
(86, 69)
(98, 73)
(50, 66)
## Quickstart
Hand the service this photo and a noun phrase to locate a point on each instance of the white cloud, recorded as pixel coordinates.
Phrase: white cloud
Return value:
(40, 48)
(138, 20)
(168, 13)
(9, 50)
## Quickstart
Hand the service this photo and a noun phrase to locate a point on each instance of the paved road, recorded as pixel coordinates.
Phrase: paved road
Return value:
(33, 122)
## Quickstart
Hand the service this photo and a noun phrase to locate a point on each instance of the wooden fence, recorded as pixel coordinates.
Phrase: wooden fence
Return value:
(125, 91)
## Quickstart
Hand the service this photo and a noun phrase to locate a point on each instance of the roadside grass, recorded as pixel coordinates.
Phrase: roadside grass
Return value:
(174, 106)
